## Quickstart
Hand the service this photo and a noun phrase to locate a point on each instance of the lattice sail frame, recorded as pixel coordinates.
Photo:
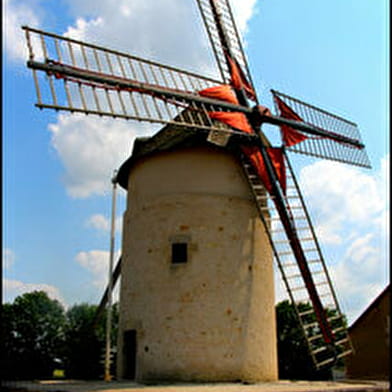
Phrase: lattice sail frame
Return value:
(86, 78)
(324, 147)
(78, 77)
(292, 278)
(232, 36)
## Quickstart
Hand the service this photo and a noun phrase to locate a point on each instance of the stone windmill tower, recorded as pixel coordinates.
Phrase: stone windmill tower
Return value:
(210, 204)
(197, 293)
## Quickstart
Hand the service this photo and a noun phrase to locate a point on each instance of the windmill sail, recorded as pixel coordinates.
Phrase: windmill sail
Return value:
(79, 77)
(223, 34)
(308, 311)
(271, 176)
(76, 76)
(323, 147)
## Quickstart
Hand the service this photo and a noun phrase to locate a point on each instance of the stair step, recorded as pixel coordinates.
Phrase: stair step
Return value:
(298, 288)
(323, 283)
(325, 295)
(310, 250)
(326, 362)
(302, 228)
(285, 253)
(293, 276)
(273, 219)
(294, 263)
(319, 350)
(292, 197)
(288, 265)
(315, 337)
(282, 241)
(310, 325)
(306, 239)
(337, 317)
(339, 342)
(314, 261)
(307, 312)
(344, 353)
(300, 217)
(318, 272)
(334, 331)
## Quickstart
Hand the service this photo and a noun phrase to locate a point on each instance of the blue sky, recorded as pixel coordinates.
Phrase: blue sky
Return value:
(57, 168)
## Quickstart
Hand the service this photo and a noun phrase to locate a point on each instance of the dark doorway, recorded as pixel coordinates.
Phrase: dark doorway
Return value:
(129, 352)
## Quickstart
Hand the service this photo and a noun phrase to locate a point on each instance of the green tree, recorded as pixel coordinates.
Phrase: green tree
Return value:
(85, 341)
(36, 333)
(9, 357)
(294, 359)
(32, 336)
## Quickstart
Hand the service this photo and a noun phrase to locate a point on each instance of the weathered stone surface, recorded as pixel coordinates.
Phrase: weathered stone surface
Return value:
(212, 318)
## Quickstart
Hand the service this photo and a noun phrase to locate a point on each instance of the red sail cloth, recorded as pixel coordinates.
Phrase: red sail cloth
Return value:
(233, 119)
(238, 78)
(257, 161)
(239, 121)
(223, 92)
(290, 136)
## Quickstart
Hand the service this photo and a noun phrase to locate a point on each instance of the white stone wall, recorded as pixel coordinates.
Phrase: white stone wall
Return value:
(213, 318)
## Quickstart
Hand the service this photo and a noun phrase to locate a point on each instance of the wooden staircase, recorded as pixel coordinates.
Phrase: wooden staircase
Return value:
(323, 354)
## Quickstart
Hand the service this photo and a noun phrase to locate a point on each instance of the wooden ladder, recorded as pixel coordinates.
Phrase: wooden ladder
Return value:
(322, 354)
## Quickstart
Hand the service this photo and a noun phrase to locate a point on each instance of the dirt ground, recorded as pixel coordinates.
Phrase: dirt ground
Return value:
(121, 386)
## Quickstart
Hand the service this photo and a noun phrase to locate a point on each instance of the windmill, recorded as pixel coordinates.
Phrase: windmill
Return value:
(87, 78)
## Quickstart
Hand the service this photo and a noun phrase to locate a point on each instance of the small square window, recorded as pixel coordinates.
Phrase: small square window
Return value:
(179, 252)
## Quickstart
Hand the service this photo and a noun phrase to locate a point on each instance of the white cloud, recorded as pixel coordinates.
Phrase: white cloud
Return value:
(340, 195)
(17, 14)
(349, 208)
(167, 31)
(82, 27)
(341, 192)
(243, 11)
(328, 235)
(97, 263)
(360, 249)
(8, 258)
(102, 223)
(170, 31)
(90, 148)
(354, 291)
(99, 222)
(15, 288)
